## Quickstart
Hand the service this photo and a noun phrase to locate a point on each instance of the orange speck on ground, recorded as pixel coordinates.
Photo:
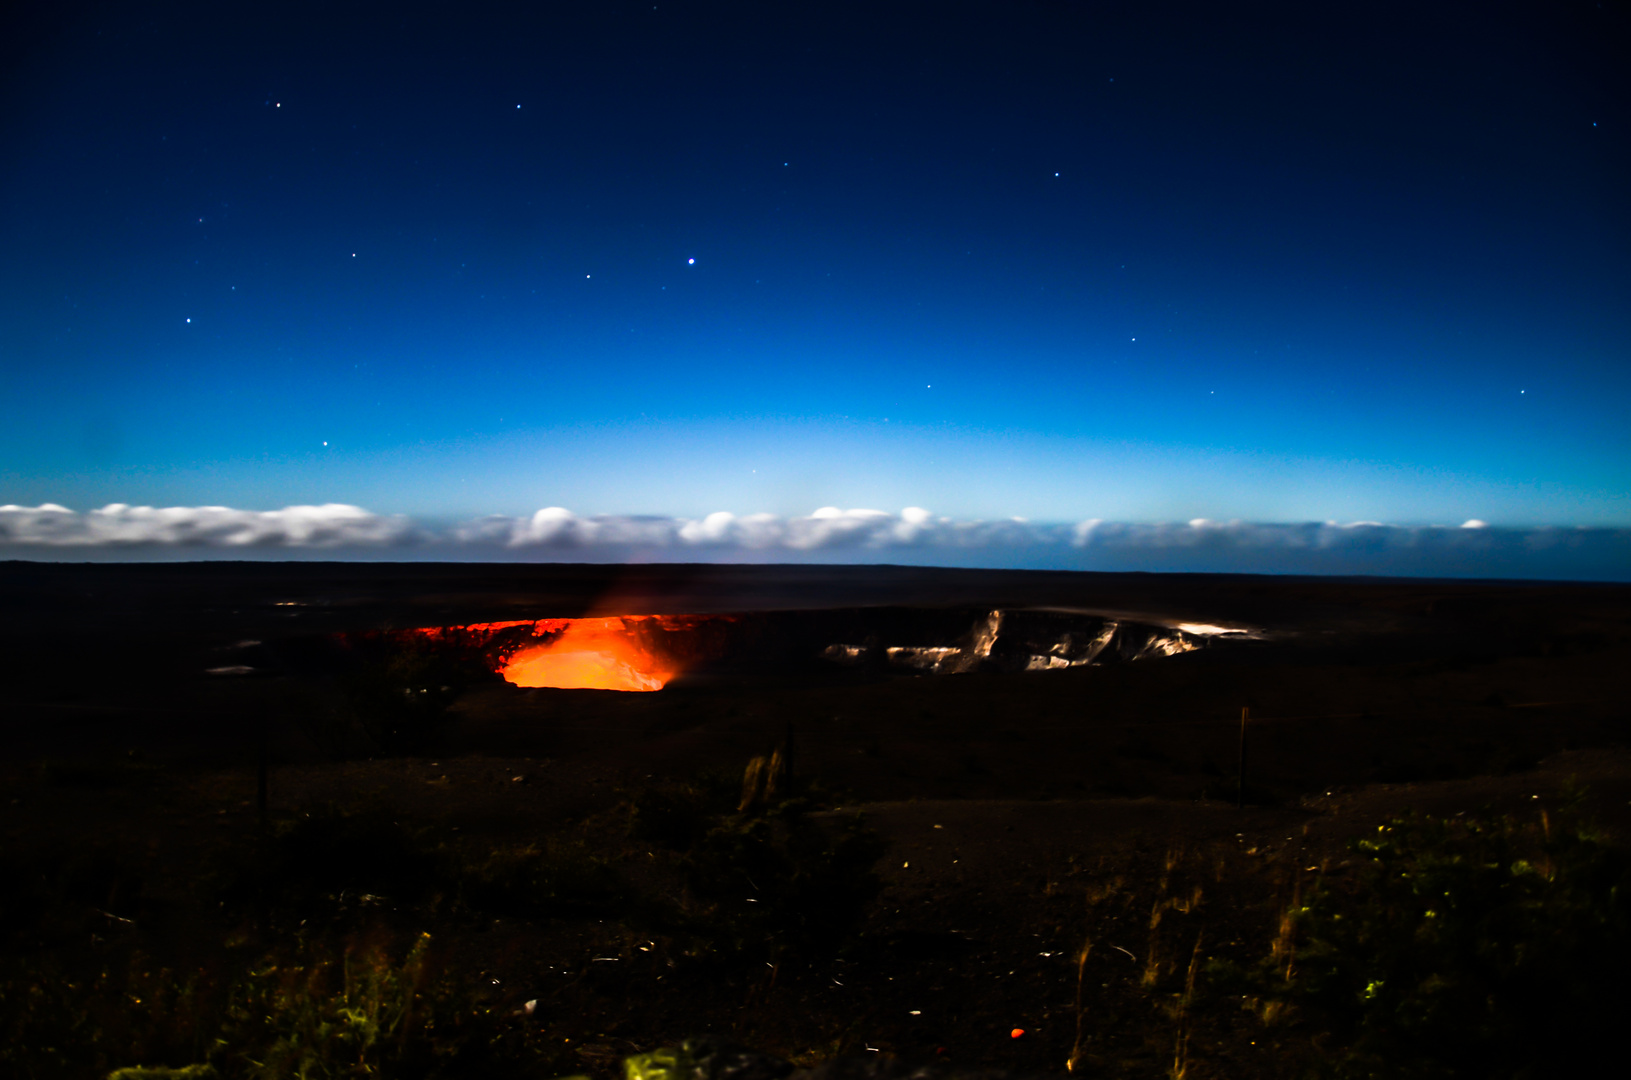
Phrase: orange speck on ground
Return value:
(1016, 1033)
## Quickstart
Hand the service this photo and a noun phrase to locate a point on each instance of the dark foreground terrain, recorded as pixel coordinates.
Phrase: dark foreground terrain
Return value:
(453, 876)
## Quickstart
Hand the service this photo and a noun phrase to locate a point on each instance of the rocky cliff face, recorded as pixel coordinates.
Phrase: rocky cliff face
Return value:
(1010, 640)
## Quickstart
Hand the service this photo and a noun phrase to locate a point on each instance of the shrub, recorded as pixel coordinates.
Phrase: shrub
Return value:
(311, 866)
(678, 816)
(1472, 946)
(317, 1009)
(317, 1016)
(553, 878)
(780, 884)
(398, 687)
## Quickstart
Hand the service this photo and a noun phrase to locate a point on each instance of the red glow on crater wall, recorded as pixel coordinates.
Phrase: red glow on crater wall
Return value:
(589, 654)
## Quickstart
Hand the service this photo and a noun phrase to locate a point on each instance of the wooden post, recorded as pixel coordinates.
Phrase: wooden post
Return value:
(1240, 783)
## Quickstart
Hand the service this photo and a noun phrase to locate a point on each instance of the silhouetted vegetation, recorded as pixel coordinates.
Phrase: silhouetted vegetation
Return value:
(321, 964)
(307, 868)
(1464, 946)
(315, 1008)
(777, 885)
(762, 880)
(398, 686)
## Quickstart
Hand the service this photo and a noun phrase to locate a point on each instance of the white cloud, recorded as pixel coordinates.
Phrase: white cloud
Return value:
(829, 528)
(1246, 535)
(118, 525)
(834, 534)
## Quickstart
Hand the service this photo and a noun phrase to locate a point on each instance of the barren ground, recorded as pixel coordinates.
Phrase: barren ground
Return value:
(1023, 815)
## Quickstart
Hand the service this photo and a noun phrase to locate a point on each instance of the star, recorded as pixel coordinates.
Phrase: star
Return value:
(690, 262)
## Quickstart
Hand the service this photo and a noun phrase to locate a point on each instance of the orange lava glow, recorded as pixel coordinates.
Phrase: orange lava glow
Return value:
(589, 654)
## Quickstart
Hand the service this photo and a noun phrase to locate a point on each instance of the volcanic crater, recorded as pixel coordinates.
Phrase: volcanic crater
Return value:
(642, 653)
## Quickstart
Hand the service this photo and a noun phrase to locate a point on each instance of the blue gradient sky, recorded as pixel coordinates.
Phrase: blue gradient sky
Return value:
(1056, 260)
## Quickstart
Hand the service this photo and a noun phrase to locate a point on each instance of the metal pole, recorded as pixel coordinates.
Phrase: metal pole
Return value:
(1240, 784)
(260, 768)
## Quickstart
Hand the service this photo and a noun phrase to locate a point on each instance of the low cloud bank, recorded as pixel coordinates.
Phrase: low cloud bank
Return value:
(914, 535)
(828, 529)
(334, 525)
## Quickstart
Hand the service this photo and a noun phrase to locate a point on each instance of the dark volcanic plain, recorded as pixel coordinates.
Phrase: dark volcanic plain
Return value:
(1019, 814)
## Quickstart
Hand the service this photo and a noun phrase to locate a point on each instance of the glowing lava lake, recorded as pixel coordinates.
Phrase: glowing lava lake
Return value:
(613, 653)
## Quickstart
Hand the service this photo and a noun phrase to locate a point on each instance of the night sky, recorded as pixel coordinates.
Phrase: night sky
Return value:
(1068, 262)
